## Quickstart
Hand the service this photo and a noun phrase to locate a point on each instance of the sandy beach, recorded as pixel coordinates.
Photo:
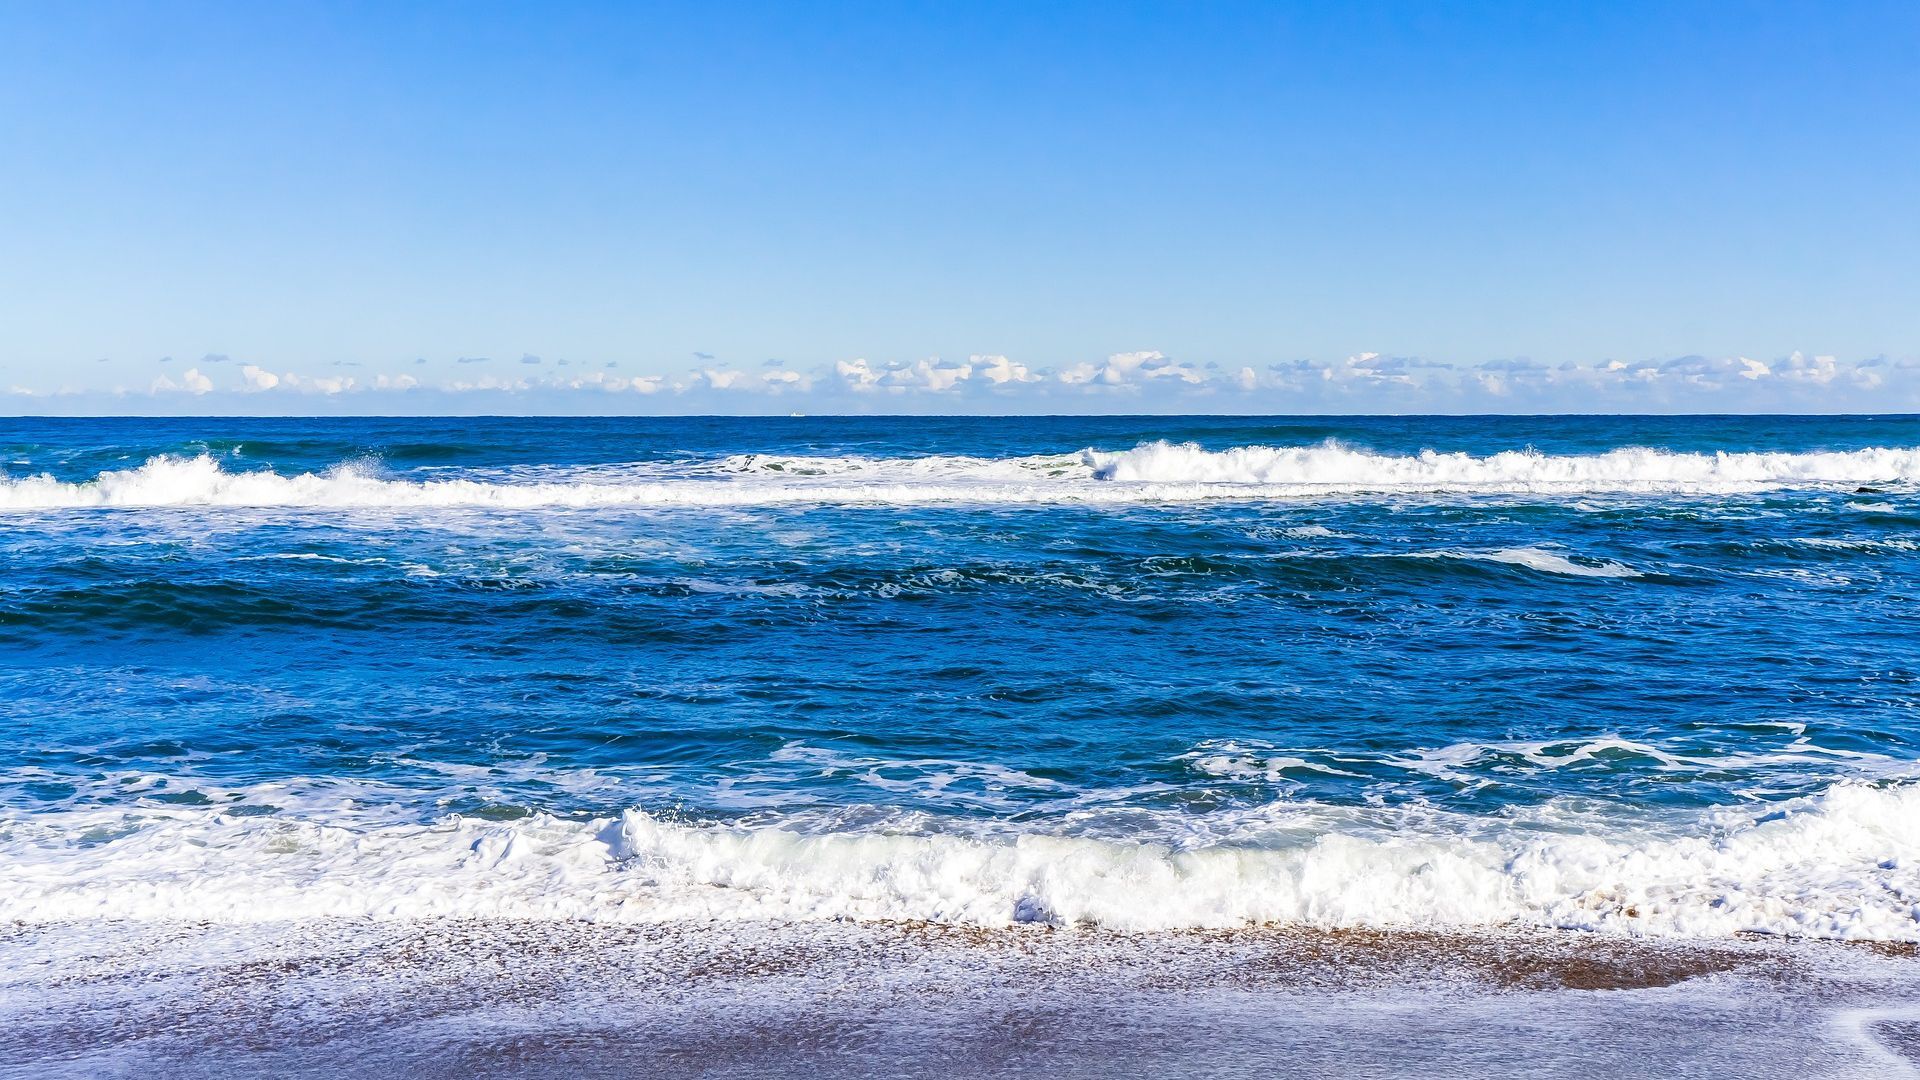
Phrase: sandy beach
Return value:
(462, 998)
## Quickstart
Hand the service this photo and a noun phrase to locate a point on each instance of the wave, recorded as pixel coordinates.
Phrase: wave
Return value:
(1549, 562)
(169, 481)
(1844, 863)
(1152, 472)
(1626, 469)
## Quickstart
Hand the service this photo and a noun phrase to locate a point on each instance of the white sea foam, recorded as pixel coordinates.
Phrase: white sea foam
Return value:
(1154, 472)
(1549, 562)
(1625, 469)
(1844, 863)
(1889, 543)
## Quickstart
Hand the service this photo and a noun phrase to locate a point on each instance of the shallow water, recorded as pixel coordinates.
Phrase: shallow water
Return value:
(1639, 675)
(503, 998)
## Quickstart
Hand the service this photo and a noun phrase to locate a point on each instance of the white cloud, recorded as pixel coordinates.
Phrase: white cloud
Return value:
(485, 382)
(1358, 382)
(1819, 370)
(857, 373)
(1132, 369)
(1001, 371)
(322, 385)
(768, 380)
(931, 375)
(191, 382)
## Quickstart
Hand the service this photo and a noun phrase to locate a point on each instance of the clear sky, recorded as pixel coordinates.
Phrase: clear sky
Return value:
(959, 207)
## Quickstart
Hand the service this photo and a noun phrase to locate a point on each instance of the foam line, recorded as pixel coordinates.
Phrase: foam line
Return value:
(1153, 472)
(1844, 863)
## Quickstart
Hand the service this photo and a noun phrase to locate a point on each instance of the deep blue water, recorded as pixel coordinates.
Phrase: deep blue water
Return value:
(1004, 655)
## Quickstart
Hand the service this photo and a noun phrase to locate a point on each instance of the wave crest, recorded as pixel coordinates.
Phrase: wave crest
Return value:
(1152, 472)
(1841, 864)
(1626, 469)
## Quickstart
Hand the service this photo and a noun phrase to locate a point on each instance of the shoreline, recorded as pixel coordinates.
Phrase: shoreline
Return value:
(459, 997)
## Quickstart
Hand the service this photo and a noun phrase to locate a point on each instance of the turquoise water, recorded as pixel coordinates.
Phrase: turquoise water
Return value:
(1648, 674)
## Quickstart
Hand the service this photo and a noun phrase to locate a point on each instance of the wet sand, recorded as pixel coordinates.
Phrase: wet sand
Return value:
(459, 998)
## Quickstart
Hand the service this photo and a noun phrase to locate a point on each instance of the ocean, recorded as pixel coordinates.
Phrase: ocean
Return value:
(1646, 681)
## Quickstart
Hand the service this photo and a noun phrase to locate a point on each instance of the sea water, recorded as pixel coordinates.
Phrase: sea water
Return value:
(1648, 676)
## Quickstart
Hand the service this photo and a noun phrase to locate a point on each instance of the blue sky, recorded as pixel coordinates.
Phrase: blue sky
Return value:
(959, 207)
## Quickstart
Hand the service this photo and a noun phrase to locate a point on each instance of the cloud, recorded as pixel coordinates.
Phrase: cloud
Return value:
(928, 375)
(190, 382)
(331, 385)
(1001, 371)
(1146, 380)
(733, 379)
(486, 382)
(931, 375)
(857, 374)
(1131, 369)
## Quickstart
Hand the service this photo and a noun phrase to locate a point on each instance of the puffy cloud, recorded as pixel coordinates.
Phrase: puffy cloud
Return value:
(1361, 381)
(1001, 371)
(190, 382)
(486, 382)
(605, 380)
(329, 385)
(934, 375)
(753, 381)
(1817, 369)
(857, 374)
(1131, 369)
(929, 375)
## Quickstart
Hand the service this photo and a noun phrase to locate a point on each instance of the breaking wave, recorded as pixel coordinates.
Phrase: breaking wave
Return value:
(1626, 469)
(1153, 472)
(1844, 863)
